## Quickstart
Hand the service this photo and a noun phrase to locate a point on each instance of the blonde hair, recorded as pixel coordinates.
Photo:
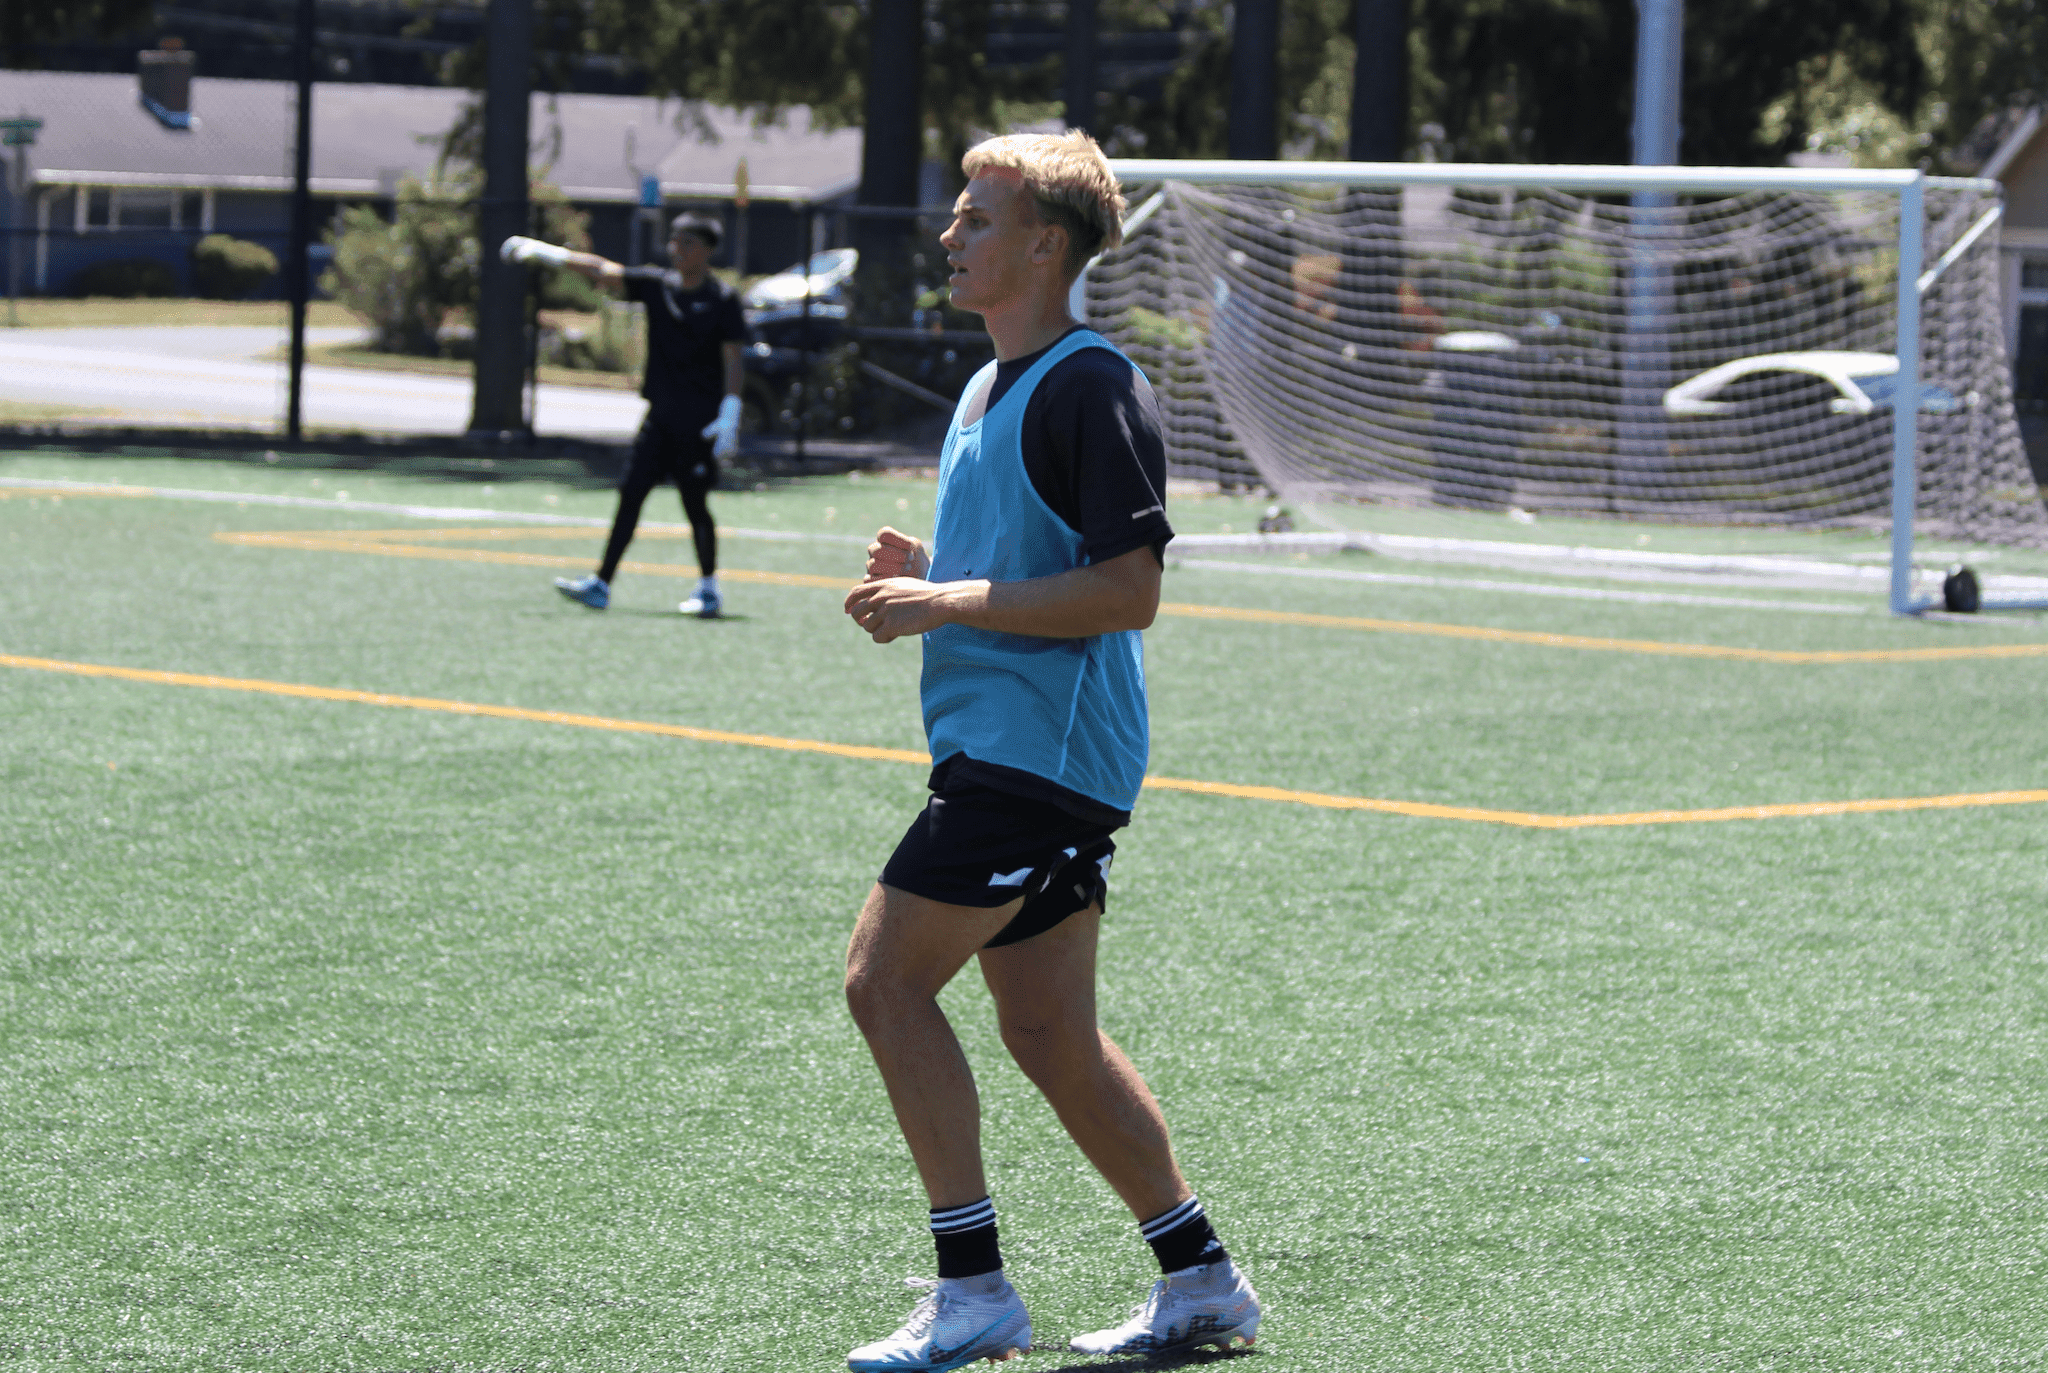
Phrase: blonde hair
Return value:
(1070, 184)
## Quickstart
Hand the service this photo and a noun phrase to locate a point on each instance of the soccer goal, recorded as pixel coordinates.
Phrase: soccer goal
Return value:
(1709, 345)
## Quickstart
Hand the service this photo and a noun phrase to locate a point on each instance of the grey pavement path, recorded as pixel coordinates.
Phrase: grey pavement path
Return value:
(221, 376)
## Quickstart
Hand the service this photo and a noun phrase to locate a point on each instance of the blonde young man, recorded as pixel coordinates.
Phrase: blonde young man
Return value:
(1043, 568)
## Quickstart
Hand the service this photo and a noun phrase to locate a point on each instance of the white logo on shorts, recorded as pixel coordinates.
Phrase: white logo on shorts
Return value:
(1011, 879)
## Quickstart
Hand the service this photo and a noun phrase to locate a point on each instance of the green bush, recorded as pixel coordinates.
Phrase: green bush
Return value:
(404, 277)
(126, 278)
(407, 276)
(618, 344)
(564, 290)
(225, 268)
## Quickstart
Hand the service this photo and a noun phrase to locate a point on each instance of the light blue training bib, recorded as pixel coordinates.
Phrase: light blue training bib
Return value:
(1069, 710)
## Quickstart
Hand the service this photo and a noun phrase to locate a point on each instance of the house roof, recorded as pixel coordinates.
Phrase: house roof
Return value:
(97, 133)
(2014, 136)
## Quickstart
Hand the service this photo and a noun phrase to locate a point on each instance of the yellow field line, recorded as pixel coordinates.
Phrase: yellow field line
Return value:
(1324, 800)
(489, 533)
(1581, 641)
(378, 542)
(342, 543)
(379, 698)
(1532, 820)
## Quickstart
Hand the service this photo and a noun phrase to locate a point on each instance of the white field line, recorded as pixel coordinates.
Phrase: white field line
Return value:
(1576, 593)
(1555, 559)
(418, 512)
(1617, 564)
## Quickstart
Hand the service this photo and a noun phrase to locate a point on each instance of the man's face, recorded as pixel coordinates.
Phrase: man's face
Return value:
(690, 254)
(995, 242)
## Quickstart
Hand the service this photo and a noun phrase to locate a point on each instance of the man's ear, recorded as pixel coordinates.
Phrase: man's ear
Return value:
(1051, 245)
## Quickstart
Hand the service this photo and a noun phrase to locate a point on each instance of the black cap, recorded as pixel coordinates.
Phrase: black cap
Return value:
(704, 227)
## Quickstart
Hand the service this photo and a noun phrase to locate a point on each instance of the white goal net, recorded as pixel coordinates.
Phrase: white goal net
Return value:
(1492, 347)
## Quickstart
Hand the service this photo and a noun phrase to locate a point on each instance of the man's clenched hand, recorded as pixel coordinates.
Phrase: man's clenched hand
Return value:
(897, 607)
(896, 554)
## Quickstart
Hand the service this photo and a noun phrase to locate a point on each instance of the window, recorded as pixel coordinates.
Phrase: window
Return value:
(2033, 273)
(146, 209)
(2030, 368)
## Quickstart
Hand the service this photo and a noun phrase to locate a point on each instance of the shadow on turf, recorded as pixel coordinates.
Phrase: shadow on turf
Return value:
(723, 618)
(1148, 1363)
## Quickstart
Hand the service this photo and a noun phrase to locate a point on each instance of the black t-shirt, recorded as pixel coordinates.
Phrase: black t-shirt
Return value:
(1093, 449)
(1095, 454)
(686, 334)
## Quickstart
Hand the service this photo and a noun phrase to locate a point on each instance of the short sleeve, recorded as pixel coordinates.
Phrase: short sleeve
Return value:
(1095, 453)
(642, 283)
(732, 320)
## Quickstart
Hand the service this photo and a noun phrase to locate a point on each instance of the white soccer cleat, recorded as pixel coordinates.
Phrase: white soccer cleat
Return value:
(1211, 1305)
(959, 1320)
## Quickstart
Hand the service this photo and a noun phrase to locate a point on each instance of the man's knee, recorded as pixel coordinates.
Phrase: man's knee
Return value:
(876, 991)
(869, 994)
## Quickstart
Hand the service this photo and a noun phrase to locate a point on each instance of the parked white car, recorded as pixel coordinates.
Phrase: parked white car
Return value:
(1864, 382)
(820, 278)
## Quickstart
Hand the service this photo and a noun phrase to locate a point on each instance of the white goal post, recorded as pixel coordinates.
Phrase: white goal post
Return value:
(1290, 234)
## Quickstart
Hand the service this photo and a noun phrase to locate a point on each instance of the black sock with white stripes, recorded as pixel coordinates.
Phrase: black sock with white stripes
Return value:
(1181, 1238)
(966, 1237)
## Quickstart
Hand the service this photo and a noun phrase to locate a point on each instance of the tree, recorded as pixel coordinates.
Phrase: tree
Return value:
(24, 24)
(1743, 57)
(1499, 80)
(1184, 112)
(1983, 57)
(1550, 80)
(771, 55)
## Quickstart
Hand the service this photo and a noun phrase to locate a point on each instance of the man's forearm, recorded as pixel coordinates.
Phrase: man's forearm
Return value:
(1080, 603)
(596, 268)
(1076, 604)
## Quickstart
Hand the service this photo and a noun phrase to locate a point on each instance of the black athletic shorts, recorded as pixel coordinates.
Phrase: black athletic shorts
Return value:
(672, 448)
(976, 846)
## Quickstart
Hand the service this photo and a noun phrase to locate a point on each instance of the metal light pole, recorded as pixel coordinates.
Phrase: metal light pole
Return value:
(298, 271)
(1379, 82)
(1646, 363)
(19, 134)
(1254, 80)
(500, 366)
(1081, 65)
(892, 151)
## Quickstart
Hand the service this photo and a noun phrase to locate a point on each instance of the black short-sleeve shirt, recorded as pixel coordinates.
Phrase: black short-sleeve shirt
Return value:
(1093, 449)
(686, 334)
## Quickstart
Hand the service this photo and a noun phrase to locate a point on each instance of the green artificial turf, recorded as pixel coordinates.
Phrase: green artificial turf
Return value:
(344, 1037)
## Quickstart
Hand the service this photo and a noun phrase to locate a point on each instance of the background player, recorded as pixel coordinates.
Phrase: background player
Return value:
(1043, 568)
(696, 332)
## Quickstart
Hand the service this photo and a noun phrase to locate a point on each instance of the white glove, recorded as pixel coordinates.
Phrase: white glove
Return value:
(519, 248)
(724, 432)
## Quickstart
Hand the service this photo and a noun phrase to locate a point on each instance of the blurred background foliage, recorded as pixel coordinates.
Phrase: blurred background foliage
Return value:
(1883, 82)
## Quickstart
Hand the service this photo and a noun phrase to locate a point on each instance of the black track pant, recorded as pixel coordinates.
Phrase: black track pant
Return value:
(664, 452)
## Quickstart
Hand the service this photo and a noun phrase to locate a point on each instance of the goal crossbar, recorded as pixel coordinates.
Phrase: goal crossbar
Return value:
(1910, 186)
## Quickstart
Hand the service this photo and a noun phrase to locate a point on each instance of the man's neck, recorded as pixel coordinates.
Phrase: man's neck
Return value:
(691, 283)
(1023, 328)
